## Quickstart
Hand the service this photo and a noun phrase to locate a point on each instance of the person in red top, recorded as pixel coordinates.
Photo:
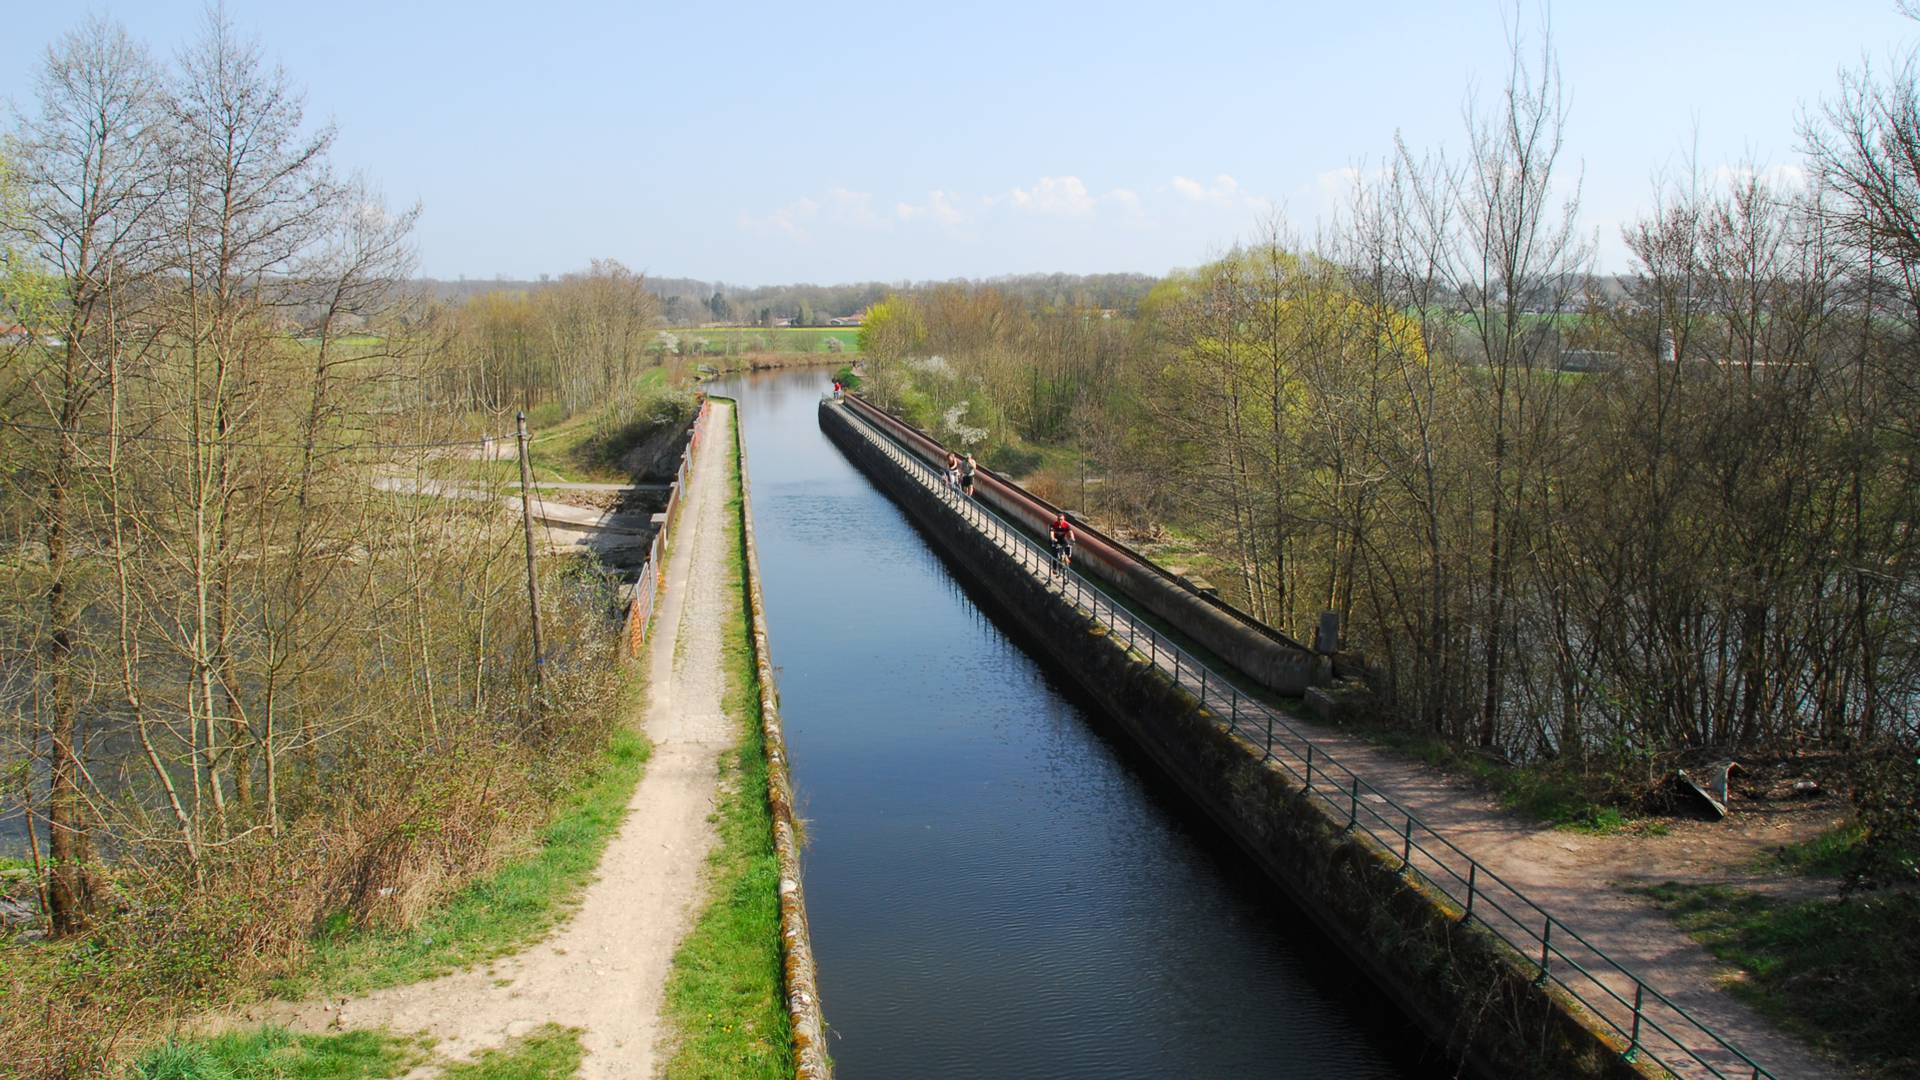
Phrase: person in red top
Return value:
(1060, 535)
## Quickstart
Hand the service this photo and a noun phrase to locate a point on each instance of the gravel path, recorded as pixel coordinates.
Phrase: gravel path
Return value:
(605, 970)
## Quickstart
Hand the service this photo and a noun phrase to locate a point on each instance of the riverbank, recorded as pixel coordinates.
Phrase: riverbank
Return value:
(604, 973)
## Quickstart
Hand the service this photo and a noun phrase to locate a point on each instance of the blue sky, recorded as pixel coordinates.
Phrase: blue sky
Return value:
(840, 141)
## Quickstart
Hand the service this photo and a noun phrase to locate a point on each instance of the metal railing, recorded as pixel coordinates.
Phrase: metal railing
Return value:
(1647, 1022)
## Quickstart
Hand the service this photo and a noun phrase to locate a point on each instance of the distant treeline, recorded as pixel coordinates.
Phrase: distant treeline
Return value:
(692, 302)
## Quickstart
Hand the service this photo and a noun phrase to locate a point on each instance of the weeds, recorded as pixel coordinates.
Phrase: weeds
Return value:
(276, 1054)
(493, 916)
(550, 1052)
(1837, 973)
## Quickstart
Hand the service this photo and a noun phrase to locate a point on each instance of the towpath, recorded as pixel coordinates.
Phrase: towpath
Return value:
(605, 970)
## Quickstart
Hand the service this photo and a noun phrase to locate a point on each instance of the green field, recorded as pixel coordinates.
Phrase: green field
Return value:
(801, 339)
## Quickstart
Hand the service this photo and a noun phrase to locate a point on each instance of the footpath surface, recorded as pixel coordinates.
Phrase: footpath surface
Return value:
(605, 970)
(1584, 882)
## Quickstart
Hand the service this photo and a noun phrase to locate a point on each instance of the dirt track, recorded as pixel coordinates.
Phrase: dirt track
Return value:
(605, 970)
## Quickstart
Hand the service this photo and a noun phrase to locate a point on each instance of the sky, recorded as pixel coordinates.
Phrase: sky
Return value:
(832, 141)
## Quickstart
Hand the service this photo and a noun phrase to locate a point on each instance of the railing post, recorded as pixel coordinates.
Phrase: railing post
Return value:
(1203, 687)
(1353, 803)
(1473, 874)
(1309, 768)
(1406, 844)
(1633, 1044)
(1545, 936)
(1269, 752)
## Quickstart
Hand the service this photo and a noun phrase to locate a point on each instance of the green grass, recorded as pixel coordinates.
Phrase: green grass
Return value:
(550, 1052)
(276, 1054)
(499, 914)
(806, 339)
(1834, 853)
(724, 995)
(1840, 974)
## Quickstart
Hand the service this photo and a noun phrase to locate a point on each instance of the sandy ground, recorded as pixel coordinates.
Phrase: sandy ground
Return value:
(605, 970)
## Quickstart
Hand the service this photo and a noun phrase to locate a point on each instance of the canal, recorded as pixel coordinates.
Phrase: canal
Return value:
(997, 888)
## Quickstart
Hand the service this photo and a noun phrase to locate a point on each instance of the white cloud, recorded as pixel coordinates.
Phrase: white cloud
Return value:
(1066, 197)
(938, 207)
(1224, 191)
(838, 207)
(851, 208)
(1060, 196)
(790, 219)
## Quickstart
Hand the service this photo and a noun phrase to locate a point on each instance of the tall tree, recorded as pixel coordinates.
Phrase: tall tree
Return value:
(91, 167)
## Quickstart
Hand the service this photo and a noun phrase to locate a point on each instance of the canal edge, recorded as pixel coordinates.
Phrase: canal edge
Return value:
(808, 1024)
(1472, 996)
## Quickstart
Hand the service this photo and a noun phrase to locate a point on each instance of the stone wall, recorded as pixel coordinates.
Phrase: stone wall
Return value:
(1462, 987)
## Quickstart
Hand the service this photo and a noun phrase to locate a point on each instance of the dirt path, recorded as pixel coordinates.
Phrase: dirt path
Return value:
(1587, 882)
(606, 969)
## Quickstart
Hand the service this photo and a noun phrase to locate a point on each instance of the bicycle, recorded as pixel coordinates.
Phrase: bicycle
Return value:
(1062, 557)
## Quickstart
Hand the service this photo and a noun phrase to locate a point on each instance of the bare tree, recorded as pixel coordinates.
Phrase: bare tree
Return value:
(92, 169)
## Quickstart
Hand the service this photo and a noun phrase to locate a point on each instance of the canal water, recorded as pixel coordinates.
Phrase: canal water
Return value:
(996, 888)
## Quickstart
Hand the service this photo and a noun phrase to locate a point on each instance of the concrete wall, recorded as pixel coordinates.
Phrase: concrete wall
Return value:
(1264, 654)
(1459, 984)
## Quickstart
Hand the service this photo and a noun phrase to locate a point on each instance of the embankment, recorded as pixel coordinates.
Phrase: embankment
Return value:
(802, 986)
(1461, 986)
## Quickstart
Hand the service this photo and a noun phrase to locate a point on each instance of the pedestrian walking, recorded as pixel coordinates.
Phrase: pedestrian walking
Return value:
(953, 471)
(967, 469)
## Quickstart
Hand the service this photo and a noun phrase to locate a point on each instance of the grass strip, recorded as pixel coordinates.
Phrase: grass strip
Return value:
(1834, 853)
(499, 914)
(724, 994)
(274, 1053)
(1840, 974)
(549, 1052)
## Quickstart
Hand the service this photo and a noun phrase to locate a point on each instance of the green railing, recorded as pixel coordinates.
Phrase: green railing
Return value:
(1648, 1023)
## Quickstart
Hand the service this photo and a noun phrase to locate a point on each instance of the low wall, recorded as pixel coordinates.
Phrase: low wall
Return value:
(644, 593)
(1458, 982)
(810, 1061)
(1264, 654)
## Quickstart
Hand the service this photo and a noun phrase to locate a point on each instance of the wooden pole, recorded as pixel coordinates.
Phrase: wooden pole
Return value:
(533, 578)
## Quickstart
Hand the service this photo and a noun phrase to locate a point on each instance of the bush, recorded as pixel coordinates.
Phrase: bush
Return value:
(631, 420)
(1885, 789)
(1011, 460)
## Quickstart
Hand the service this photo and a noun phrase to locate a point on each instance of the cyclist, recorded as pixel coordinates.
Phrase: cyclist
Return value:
(1060, 537)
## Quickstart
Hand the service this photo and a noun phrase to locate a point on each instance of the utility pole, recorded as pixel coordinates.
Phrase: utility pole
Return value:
(533, 578)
